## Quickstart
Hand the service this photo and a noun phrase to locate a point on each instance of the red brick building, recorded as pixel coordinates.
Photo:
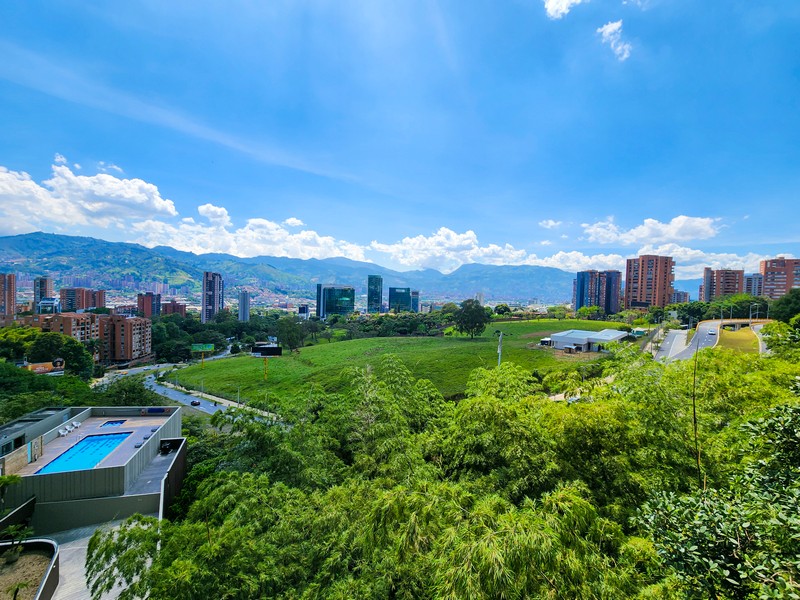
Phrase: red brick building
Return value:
(780, 275)
(648, 281)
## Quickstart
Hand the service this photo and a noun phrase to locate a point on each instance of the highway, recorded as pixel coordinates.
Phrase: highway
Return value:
(703, 338)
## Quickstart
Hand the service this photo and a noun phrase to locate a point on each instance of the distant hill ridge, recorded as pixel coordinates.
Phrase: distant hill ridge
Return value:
(62, 255)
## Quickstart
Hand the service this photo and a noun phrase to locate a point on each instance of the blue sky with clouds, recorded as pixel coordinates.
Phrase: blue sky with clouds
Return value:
(567, 133)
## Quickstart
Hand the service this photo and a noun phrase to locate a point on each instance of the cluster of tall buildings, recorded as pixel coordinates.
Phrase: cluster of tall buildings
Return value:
(649, 281)
(340, 299)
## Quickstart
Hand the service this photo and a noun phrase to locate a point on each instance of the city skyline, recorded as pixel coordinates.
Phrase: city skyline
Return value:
(413, 135)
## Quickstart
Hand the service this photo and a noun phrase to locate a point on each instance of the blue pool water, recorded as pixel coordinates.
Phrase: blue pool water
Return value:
(113, 423)
(86, 454)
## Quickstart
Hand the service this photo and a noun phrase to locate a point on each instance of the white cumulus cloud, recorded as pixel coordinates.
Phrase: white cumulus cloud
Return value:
(293, 222)
(549, 224)
(66, 201)
(690, 262)
(258, 237)
(446, 250)
(611, 34)
(559, 8)
(216, 215)
(680, 228)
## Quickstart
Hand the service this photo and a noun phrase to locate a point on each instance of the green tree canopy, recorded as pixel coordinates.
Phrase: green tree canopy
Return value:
(471, 318)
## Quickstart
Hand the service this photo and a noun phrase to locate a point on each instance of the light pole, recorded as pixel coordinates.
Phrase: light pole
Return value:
(751, 312)
(499, 347)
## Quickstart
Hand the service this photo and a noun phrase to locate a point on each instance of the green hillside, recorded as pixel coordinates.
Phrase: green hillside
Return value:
(446, 361)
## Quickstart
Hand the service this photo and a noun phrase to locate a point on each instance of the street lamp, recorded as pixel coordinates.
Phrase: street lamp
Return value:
(758, 306)
(499, 346)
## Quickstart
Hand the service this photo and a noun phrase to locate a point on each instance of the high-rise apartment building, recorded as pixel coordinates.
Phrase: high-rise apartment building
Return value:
(244, 306)
(8, 294)
(679, 297)
(648, 281)
(125, 338)
(42, 288)
(598, 288)
(78, 298)
(148, 304)
(374, 293)
(721, 282)
(213, 296)
(335, 300)
(415, 301)
(399, 299)
(780, 275)
(754, 284)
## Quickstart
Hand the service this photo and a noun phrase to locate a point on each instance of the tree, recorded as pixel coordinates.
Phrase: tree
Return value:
(787, 306)
(589, 312)
(741, 541)
(290, 332)
(471, 318)
(502, 309)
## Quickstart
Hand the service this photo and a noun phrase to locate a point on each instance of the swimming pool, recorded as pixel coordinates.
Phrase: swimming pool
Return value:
(86, 454)
(113, 423)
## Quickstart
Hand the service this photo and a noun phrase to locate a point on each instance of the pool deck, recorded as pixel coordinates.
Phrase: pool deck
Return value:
(139, 426)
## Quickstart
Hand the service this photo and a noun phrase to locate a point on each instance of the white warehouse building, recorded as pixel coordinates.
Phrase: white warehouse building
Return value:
(578, 340)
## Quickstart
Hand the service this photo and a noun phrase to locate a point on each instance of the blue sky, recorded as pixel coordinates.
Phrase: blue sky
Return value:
(566, 133)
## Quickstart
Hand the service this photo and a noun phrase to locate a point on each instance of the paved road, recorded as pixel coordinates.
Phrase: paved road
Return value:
(703, 338)
(674, 343)
(206, 406)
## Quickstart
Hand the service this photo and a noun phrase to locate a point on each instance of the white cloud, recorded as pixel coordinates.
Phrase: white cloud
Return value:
(77, 166)
(559, 8)
(59, 159)
(549, 224)
(680, 228)
(258, 237)
(293, 222)
(690, 262)
(578, 261)
(216, 215)
(611, 34)
(66, 201)
(106, 167)
(546, 243)
(446, 250)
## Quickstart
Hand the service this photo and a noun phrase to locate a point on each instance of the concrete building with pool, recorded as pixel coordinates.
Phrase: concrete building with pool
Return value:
(84, 466)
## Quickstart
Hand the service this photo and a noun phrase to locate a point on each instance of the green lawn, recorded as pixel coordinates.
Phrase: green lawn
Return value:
(743, 340)
(446, 361)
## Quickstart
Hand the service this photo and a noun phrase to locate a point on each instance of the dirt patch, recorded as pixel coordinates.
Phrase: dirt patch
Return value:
(30, 568)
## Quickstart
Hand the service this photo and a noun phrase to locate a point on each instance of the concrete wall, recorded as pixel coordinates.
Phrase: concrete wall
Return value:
(70, 485)
(172, 482)
(50, 517)
(137, 463)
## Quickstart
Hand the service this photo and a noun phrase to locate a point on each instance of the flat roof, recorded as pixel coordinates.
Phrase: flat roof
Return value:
(138, 426)
(606, 335)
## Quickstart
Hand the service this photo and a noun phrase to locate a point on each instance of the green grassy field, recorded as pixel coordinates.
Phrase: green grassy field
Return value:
(446, 361)
(743, 340)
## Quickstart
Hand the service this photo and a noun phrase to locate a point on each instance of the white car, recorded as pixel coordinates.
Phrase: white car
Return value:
(712, 332)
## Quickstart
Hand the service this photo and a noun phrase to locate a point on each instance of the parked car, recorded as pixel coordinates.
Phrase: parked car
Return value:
(195, 403)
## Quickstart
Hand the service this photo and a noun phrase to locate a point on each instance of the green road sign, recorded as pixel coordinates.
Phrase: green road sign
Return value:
(202, 347)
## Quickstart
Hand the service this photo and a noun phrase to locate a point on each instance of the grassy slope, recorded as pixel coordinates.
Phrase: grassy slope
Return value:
(446, 361)
(743, 340)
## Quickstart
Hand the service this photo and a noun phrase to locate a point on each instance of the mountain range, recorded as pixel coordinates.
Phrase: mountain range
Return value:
(107, 263)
